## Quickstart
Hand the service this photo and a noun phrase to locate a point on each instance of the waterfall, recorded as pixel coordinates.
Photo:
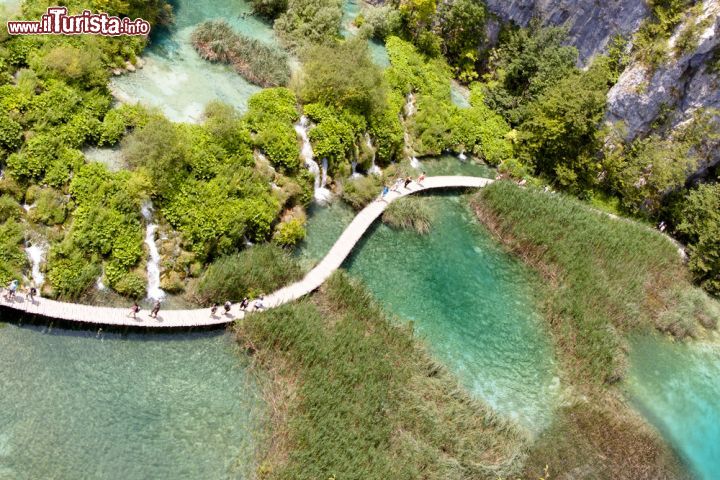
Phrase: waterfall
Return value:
(154, 291)
(324, 173)
(36, 254)
(374, 169)
(462, 156)
(322, 194)
(410, 105)
(354, 173)
(415, 163)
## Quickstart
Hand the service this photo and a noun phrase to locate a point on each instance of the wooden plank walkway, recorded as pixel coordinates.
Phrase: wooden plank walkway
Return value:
(201, 317)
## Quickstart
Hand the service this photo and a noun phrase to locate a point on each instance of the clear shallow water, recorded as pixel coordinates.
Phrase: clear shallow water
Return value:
(677, 387)
(74, 404)
(470, 301)
(378, 52)
(175, 79)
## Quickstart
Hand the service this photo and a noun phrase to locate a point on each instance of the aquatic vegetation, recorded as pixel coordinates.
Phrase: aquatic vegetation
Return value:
(256, 270)
(341, 371)
(608, 277)
(261, 64)
(410, 213)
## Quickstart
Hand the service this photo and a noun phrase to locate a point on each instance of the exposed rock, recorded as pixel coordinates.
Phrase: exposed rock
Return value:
(591, 24)
(677, 88)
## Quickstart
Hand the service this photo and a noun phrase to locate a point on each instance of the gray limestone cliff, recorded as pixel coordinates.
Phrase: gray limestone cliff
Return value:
(591, 23)
(684, 83)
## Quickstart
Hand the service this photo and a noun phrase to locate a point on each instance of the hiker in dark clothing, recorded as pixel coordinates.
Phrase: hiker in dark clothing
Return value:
(408, 180)
(244, 303)
(227, 307)
(213, 309)
(155, 309)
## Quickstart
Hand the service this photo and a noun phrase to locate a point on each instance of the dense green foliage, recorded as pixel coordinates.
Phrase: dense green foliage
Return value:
(252, 272)
(650, 41)
(260, 64)
(699, 225)
(360, 380)
(309, 22)
(12, 257)
(607, 276)
(525, 64)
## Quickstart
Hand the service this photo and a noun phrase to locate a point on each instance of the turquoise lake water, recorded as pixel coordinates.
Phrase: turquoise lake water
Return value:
(677, 387)
(469, 300)
(76, 404)
(175, 79)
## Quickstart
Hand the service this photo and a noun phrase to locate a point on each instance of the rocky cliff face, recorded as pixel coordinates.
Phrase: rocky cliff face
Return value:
(591, 23)
(677, 88)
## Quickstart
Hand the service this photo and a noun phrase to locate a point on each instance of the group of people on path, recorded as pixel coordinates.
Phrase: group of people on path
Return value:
(244, 305)
(135, 309)
(400, 183)
(227, 306)
(13, 287)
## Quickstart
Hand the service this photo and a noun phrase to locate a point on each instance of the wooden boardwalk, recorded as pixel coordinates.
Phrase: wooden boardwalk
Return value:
(201, 317)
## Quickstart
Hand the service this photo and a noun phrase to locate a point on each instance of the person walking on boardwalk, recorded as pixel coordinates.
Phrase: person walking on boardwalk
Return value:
(421, 179)
(259, 303)
(31, 293)
(385, 191)
(11, 290)
(213, 309)
(408, 180)
(244, 303)
(227, 307)
(396, 186)
(155, 309)
(134, 310)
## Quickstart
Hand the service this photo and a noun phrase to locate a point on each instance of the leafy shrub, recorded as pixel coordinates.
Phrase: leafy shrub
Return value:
(381, 22)
(70, 272)
(344, 76)
(359, 192)
(309, 22)
(699, 224)
(9, 209)
(269, 8)
(50, 206)
(12, 256)
(279, 142)
(258, 269)
(10, 132)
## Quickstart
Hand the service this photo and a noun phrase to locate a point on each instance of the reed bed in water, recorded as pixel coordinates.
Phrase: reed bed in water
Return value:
(409, 213)
(260, 64)
(606, 276)
(358, 397)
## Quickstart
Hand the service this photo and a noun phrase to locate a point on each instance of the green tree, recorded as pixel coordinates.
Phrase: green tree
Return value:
(699, 224)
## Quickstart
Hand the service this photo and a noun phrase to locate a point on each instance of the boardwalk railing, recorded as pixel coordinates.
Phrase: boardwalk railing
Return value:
(202, 317)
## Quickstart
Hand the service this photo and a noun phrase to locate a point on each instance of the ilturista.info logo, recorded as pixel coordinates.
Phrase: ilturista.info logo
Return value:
(56, 21)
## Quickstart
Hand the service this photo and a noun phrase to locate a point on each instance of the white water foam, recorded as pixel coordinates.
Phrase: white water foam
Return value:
(322, 195)
(36, 255)
(154, 291)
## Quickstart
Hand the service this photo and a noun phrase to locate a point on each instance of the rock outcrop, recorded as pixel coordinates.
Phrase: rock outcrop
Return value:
(675, 89)
(591, 23)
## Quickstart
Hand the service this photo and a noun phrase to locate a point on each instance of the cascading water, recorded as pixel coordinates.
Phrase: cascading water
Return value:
(410, 105)
(154, 291)
(462, 157)
(415, 163)
(322, 194)
(35, 252)
(374, 169)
